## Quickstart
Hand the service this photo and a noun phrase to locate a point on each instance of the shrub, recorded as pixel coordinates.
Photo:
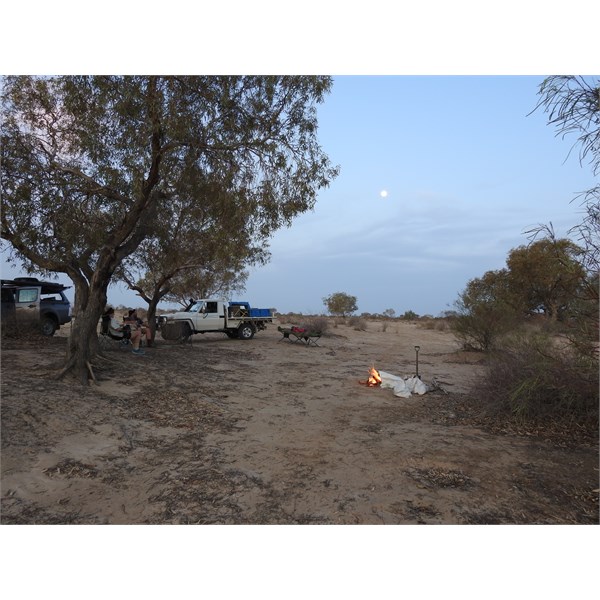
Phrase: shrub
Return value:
(358, 323)
(535, 377)
(442, 325)
(427, 324)
(434, 324)
(410, 315)
(290, 318)
(316, 324)
(482, 325)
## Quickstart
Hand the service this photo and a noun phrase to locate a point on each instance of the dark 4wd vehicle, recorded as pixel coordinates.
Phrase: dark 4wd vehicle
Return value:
(42, 304)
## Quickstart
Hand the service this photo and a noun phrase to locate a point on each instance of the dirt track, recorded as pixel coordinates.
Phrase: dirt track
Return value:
(270, 432)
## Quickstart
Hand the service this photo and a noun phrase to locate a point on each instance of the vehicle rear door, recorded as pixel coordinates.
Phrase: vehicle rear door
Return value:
(27, 305)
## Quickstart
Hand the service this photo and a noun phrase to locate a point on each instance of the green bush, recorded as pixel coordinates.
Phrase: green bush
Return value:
(535, 377)
(358, 323)
(410, 315)
(292, 318)
(316, 324)
(483, 325)
(340, 304)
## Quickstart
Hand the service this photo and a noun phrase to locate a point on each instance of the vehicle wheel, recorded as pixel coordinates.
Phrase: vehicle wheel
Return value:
(175, 331)
(169, 331)
(186, 332)
(245, 331)
(48, 326)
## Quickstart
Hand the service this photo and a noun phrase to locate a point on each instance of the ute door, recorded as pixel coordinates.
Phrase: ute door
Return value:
(27, 306)
(208, 318)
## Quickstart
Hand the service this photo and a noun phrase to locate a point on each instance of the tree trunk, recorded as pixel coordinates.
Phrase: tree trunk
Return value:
(151, 314)
(553, 311)
(83, 341)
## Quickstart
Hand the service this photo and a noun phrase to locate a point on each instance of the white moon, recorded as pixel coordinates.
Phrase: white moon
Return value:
(383, 193)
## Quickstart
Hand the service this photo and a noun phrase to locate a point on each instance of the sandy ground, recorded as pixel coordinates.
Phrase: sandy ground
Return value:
(270, 432)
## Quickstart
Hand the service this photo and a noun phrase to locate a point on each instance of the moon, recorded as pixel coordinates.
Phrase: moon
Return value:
(383, 193)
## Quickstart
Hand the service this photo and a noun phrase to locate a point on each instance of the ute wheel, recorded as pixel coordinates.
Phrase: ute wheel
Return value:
(176, 331)
(245, 331)
(48, 326)
(186, 332)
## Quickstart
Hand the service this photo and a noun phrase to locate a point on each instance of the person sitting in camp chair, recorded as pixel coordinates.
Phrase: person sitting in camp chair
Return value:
(122, 333)
(135, 322)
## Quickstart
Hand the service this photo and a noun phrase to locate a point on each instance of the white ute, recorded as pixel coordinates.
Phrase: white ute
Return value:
(235, 319)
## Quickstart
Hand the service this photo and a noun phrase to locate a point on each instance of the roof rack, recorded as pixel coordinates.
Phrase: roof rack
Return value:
(48, 287)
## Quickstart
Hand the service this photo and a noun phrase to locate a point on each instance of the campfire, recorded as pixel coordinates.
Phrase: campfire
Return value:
(402, 387)
(374, 378)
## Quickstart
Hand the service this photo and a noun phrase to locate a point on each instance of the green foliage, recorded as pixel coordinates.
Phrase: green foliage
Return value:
(484, 312)
(409, 315)
(480, 326)
(545, 276)
(583, 326)
(201, 247)
(315, 324)
(535, 377)
(86, 159)
(538, 377)
(205, 283)
(340, 304)
(573, 105)
(96, 168)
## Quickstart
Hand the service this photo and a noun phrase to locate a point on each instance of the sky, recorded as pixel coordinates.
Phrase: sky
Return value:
(440, 177)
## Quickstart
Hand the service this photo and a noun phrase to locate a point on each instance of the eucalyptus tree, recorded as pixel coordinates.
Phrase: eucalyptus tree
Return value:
(340, 304)
(547, 275)
(215, 280)
(88, 161)
(205, 238)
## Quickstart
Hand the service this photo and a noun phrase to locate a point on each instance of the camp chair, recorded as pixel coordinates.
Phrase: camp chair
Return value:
(106, 334)
(311, 338)
(298, 334)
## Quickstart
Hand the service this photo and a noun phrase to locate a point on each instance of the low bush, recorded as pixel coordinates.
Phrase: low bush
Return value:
(358, 323)
(293, 318)
(410, 315)
(316, 324)
(483, 326)
(434, 324)
(535, 377)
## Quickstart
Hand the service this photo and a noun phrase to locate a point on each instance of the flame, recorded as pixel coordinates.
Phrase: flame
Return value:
(374, 378)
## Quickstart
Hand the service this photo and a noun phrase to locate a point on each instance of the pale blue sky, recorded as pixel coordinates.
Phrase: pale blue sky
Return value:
(467, 169)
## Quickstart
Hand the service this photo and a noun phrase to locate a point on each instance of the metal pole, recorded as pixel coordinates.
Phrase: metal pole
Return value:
(417, 348)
